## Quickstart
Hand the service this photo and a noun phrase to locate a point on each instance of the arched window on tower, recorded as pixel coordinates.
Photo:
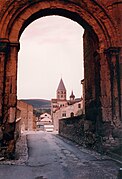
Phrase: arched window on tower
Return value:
(71, 114)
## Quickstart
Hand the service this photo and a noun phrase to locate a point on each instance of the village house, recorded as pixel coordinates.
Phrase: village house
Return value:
(45, 122)
(45, 118)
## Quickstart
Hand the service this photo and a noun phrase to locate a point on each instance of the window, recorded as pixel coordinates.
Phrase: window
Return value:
(72, 114)
(64, 114)
(79, 105)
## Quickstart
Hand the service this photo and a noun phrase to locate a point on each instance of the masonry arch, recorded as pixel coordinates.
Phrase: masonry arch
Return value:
(19, 14)
(101, 44)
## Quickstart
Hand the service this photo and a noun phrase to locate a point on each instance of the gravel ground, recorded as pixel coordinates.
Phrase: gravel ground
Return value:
(21, 152)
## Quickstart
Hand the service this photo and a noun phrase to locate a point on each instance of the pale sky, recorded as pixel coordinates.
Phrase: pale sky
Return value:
(50, 48)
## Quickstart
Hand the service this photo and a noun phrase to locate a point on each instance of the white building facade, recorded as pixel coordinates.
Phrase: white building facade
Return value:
(45, 118)
(63, 108)
(45, 122)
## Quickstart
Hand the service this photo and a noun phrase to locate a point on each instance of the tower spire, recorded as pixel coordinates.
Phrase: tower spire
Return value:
(61, 86)
(61, 91)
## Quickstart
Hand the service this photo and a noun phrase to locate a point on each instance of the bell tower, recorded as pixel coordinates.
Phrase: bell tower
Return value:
(61, 91)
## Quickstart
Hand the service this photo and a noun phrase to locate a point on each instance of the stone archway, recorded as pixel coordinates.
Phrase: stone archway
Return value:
(102, 42)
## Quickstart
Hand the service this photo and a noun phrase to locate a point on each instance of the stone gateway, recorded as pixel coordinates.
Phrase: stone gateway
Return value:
(102, 61)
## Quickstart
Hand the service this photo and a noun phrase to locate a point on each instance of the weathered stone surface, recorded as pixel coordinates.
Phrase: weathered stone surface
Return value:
(90, 135)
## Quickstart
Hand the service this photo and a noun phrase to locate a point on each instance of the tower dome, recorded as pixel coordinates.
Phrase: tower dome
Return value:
(72, 96)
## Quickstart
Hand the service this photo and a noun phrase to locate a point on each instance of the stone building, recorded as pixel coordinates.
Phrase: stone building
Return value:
(60, 99)
(27, 117)
(34, 122)
(63, 108)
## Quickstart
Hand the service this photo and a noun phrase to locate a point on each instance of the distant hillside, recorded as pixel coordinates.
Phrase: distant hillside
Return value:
(38, 103)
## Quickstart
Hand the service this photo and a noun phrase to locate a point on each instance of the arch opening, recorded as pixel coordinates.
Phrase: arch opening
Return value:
(52, 52)
(43, 32)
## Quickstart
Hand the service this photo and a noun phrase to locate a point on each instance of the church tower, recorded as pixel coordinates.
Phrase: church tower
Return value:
(61, 91)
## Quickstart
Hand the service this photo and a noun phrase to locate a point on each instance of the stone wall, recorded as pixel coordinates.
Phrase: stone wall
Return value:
(17, 133)
(91, 75)
(86, 133)
(26, 115)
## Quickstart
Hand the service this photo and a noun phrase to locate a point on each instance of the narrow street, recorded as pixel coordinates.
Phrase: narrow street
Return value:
(52, 157)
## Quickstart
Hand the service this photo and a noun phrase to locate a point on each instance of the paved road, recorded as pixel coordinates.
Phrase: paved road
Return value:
(51, 157)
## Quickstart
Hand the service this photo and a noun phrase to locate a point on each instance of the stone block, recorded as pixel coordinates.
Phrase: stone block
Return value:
(12, 114)
(12, 100)
(11, 150)
(87, 125)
